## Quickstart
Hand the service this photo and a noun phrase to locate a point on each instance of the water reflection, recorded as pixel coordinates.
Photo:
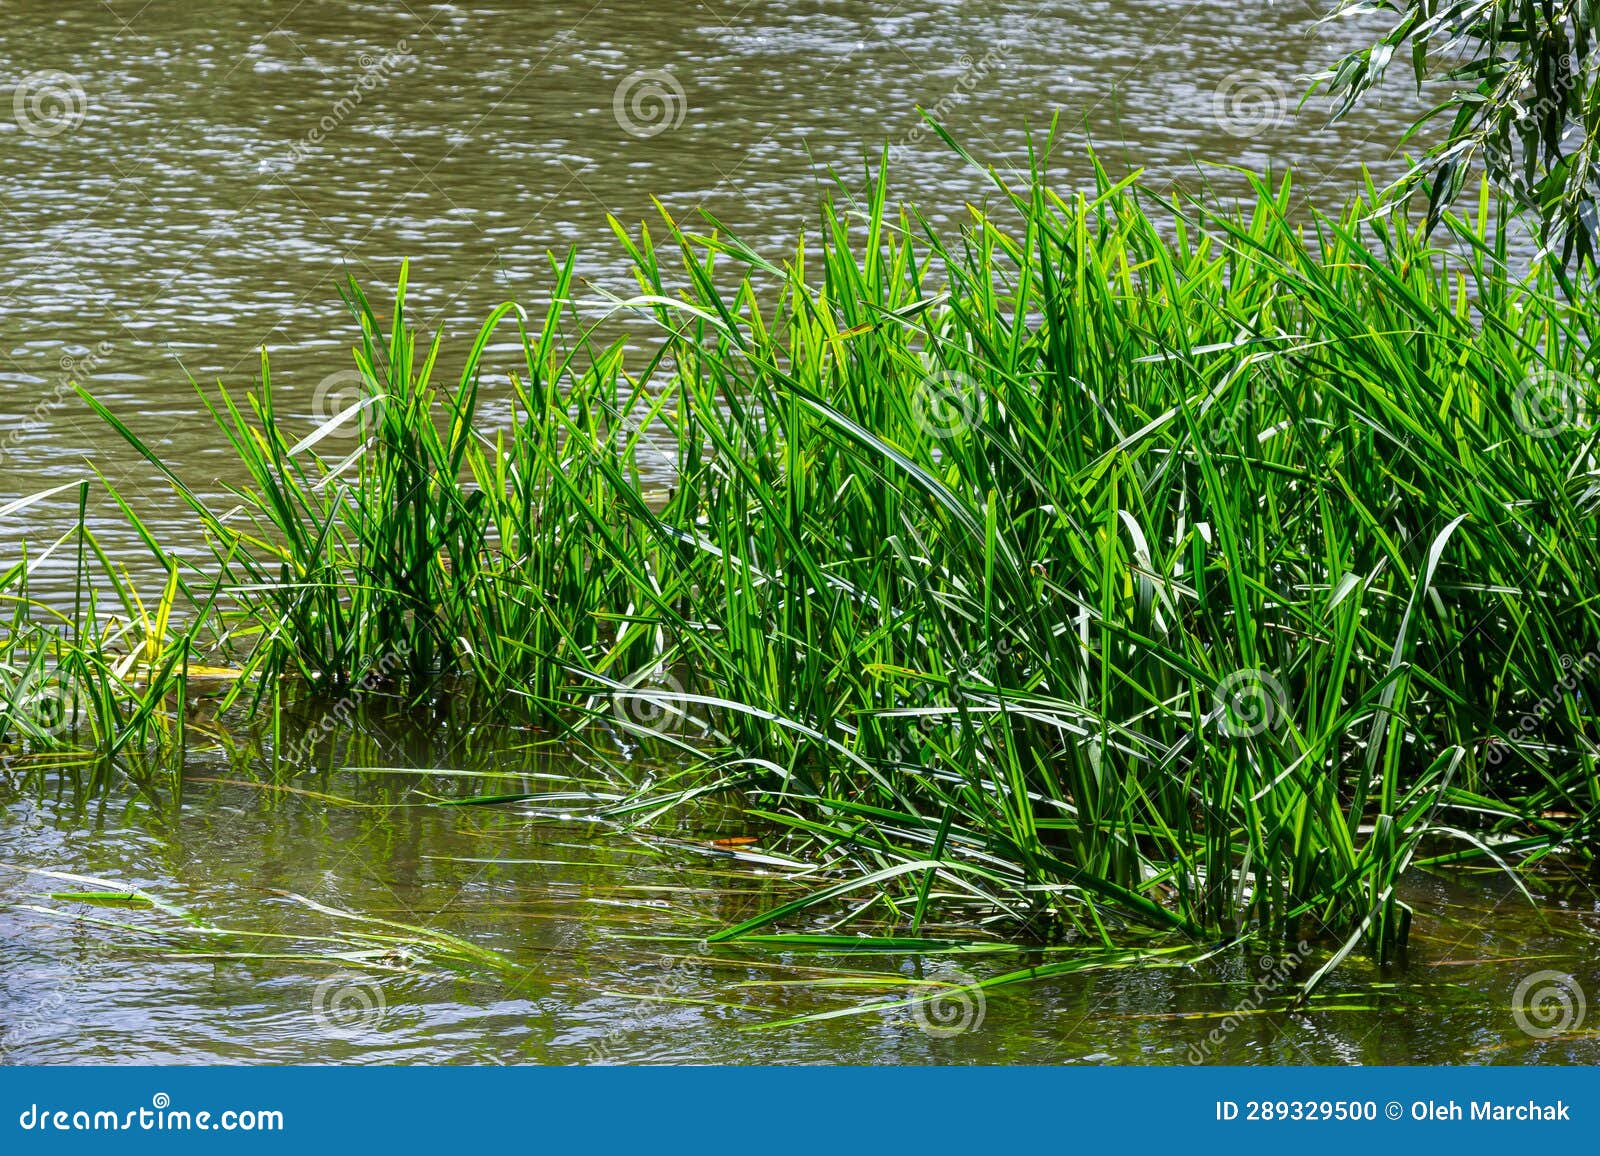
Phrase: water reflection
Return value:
(513, 935)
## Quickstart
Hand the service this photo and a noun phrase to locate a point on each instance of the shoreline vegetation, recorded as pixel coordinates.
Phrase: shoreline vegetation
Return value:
(1113, 566)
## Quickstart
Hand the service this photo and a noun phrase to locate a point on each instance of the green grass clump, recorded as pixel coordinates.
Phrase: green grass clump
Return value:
(97, 675)
(1113, 563)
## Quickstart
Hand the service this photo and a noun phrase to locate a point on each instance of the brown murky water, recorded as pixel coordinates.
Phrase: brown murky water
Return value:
(598, 936)
(185, 184)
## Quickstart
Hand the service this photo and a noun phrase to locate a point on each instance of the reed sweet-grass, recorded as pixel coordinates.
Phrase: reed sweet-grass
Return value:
(1116, 562)
(99, 674)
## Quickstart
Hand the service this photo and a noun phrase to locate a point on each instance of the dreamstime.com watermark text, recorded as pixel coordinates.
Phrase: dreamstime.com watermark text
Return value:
(160, 1116)
(341, 715)
(1277, 973)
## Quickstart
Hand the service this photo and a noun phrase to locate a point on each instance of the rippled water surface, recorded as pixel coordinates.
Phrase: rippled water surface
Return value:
(597, 935)
(184, 184)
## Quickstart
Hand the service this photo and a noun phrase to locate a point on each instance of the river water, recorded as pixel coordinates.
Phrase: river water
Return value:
(186, 184)
(598, 933)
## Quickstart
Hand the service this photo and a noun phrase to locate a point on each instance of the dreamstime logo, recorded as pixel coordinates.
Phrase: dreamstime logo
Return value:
(348, 1005)
(1570, 74)
(49, 103)
(45, 705)
(1548, 1003)
(82, 367)
(1547, 403)
(1249, 102)
(959, 1008)
(649, 103)
(971, 671)
(340, 392)
(653, 701)
(946, 403)
(1248, 702)
(155, 1118)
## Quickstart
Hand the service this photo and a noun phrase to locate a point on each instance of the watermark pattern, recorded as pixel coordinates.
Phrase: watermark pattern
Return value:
(957, 1009)
(341, 715)
(337, 395)
(1548, 403)
(1277, 972)
(348, 1006)
(604, 1049)
(74, 368)
(1569, 75)
(1528, 724)
(1228, 427)
(946, 403)
(376, 73)
(649, 102)
(930, 716)
(1248, 702)
(974, 73)
(42, 704)
(654, 701)
(1548, 1003)
(49, 1013)
(1250, 102)
(48, 103)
